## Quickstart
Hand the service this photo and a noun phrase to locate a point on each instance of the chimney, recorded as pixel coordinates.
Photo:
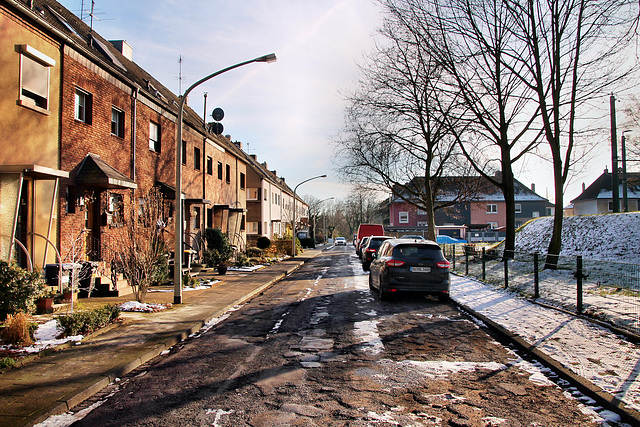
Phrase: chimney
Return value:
(584, 187)
(275, 172)
(533, 187)
(264, 165)
(238, 144)
(254, 157)
(124, 48)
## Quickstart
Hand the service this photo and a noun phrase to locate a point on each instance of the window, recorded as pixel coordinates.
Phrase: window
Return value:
(209, 218)
(196, 218)
(242, 178)
(492, 225)
(154, 137)
(535, 214)
(492, 208)
(196, 158)
(183, 157)
(266, 195)
(117, 122)
(518, 208)
(209, 165)
(421, 212)
(220, 170)
(228, 173)
(253, 228)
(83, 106)
(253, 194)
(34, 78)
(403, 217)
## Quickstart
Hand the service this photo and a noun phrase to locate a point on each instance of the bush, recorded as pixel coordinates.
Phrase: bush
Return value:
(263, 242)
(254, 252)
(18, 330)
(218, 248)
(307, 242)
(85, 322)
(19, 289)
(7, 362)
(242, 260)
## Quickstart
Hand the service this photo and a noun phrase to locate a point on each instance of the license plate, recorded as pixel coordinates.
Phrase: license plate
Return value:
(421, 269)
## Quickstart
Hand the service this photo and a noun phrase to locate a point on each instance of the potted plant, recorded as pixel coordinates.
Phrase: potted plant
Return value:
(219, 250)
(69, 294)
(44, 304)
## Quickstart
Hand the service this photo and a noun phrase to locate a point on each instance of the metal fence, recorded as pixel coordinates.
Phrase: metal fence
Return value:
(605, 290)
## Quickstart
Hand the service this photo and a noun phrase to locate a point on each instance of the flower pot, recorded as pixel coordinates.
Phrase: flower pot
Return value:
(222, 269)
(67, 296)
(44, 305)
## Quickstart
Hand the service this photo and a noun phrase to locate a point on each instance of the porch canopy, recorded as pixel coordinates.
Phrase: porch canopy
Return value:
(95, 172)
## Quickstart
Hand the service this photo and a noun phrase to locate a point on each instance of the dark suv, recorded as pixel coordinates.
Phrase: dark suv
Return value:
(370, 250)
(411, 266)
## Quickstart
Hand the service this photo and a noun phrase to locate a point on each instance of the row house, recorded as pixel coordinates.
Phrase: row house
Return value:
(479, 214)
(270, 203)
(87, 133)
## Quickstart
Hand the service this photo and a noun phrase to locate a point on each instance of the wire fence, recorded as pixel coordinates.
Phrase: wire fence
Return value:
(605, 290)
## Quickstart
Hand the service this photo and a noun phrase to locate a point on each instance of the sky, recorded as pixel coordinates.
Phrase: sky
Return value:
(288, 112)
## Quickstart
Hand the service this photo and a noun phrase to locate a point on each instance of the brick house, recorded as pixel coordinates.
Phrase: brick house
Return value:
(481, 215)
(100, 140)
(270, 203)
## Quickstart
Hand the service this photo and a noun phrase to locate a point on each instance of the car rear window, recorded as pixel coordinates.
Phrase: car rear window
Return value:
(375, 243)
(418, 252)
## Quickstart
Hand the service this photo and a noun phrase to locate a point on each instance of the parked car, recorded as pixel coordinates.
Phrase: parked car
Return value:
(340, 241)
(365, 230)
(361, 244)
(371, 249)
(410, 266)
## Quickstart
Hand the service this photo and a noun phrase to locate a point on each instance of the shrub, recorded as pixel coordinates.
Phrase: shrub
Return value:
(218, 248)
(254, 252)
(307, 242)
(242, 260)
(85, 322)
(18, 330)
(19, 289)
(263, 242)
(7, 362)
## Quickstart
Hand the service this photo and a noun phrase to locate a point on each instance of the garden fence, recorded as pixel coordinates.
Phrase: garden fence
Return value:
(605, 290)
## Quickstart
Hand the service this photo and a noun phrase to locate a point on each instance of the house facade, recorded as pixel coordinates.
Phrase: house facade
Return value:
(86, 134)
(481, 216)
(597, 198)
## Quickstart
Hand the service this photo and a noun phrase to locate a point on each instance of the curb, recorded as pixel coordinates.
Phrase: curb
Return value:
(68, 402)
(602, 397)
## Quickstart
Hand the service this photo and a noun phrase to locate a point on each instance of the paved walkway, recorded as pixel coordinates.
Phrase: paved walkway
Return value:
(54, 383)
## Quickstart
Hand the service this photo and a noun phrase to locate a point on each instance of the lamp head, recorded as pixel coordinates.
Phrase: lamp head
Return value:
(267, 58)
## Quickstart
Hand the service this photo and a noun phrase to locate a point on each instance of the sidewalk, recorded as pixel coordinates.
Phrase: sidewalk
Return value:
(54, 383)
(604, 365)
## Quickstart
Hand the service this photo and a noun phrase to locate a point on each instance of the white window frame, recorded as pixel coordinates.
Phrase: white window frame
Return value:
(535, 214)
(492, 225)
(518, 207)
(492, 208)
(35, 79)
(252, 193)
(82, 104)
(154, 137)
(117, 122)
(421, 212)
(403, 217)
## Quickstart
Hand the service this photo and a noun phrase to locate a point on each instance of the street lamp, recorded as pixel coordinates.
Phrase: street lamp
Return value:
(177, 272)
(293, 225)
(324, 219)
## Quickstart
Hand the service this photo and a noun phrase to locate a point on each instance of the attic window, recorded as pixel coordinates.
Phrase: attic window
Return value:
(105, 50)
(63, 21)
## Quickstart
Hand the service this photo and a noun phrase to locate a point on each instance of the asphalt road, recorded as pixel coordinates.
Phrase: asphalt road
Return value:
(318, 348)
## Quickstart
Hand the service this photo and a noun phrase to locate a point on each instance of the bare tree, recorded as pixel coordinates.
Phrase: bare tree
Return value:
(571, 48)
(139, 251)
(396, 124)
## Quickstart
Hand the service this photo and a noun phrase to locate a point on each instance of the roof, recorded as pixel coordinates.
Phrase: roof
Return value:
(95, 172)
(601, 187)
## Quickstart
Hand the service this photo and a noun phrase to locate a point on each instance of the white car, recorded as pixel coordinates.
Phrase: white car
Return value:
(340, 241)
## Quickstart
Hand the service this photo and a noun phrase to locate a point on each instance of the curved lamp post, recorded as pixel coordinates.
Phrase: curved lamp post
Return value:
(293, 225)
(177, 270)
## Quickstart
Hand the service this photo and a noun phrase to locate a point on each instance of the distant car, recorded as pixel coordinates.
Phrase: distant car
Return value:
(410, 266)
(413, 236)
(340, 241)
(370, 251)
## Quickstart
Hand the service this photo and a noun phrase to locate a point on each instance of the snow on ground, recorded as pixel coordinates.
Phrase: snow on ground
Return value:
(143, 307)
(589, 350)
(614, 237)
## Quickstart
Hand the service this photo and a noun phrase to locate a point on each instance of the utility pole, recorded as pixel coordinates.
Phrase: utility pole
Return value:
(614, 156)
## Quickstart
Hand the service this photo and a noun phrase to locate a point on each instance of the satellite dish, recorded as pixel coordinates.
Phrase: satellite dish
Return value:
(217, 114)
(216, 128)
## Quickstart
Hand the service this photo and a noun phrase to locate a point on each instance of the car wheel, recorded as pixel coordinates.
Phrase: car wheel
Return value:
(366, 266)
(384, 296)
(370, 282)
(443, 297)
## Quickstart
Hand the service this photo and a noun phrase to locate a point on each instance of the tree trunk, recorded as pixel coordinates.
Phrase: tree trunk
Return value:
(508, 190)
(555, 243)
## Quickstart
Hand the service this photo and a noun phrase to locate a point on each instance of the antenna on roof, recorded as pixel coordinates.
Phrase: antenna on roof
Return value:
(180, 75)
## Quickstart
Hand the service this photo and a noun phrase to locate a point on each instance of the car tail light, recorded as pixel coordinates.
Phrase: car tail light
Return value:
(395, 263)
(371, 250)
(443, 264)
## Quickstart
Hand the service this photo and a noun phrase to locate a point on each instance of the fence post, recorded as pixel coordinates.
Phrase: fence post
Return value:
(466, 260)
(536, 278)
(506, 271)
(453, 255)
(579, 277)
(484, 268)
